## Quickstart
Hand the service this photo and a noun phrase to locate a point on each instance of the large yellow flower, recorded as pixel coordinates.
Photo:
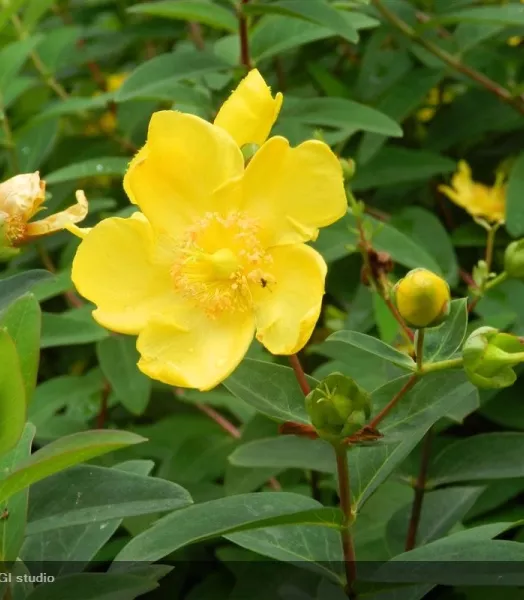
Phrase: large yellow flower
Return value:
(478, 199)
(217, 252)
(21, 197)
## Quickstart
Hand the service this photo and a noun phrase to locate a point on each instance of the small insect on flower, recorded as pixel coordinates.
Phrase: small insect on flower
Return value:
(217, 253)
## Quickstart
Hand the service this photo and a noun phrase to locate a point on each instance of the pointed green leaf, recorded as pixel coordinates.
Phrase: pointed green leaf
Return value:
(22, 321)
(514, 204)
(12, 394)
(94, 167)
(63, 453)
(443, 342)
(200, 11)
(225, 515)
(374, 346)
(12, 528)
(271, 389)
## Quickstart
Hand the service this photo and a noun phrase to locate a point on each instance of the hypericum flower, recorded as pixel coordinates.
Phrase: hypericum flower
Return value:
(21, 197)
(478, 199)
(422, 298)
(217, 251)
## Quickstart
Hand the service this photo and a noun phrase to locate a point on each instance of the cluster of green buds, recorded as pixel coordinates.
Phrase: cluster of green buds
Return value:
(422, 298)
(338, 407)
(489, 357)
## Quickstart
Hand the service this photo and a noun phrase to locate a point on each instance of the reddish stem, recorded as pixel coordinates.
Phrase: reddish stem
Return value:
(393, 402)
(245, 57)
(299, 374)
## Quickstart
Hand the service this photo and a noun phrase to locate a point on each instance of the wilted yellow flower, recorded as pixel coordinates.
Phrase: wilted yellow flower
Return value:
(422, 298)
(478, 199)
(218, 250)
(21, 197)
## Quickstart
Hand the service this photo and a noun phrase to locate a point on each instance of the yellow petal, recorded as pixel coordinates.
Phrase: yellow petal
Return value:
(289, 304)
(118, 268)
(250, 112)
(200, 354)
(60, 220)
(184, 161)
(22, 195)
(294, 191)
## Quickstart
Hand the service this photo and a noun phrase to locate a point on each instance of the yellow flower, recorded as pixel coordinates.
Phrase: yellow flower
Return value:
(21, 197)
(115, 81)
(422, 298)
(217, 252)
(478, 199)
(514, 41)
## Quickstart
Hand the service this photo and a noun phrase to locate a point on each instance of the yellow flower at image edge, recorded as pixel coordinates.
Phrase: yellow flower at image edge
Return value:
(477, 199)
(217, 252)
(21, 197)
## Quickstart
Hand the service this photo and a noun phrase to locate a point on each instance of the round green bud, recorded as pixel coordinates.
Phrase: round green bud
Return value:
(348, 168)
(422, 298)
(338, 407)
(514, 259)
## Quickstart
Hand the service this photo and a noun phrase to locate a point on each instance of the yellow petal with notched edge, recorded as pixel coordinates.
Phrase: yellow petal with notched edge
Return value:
(118, 268)
(293, 191)
(60, 220)
(250, 112)
(199, 353)
(289, 304)
(185, 159)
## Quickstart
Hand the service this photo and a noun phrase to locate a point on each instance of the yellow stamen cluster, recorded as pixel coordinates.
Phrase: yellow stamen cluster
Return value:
(15, 228)
(218, 259)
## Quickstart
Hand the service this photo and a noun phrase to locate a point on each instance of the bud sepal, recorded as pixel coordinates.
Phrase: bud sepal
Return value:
(489, 356)
(514, 259)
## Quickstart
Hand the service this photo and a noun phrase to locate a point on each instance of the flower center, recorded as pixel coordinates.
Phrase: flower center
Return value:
(217, 260)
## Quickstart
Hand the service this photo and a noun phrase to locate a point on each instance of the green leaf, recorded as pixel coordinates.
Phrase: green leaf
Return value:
(514, 204)
(88, 494)
(22, 321)
(478, 458)
(424, 228)
(34, 143)
(157, 77)
(9, 9)
(12, 394)
(441, 510)
(509, 14)
(275, 34)
(73, 105)
(454, 560)
(15, 286)
(271, 389)
(316, 11)
(118, 359)
(444, 341)
(200, 11)
(12, 528)
(94, 167)
(285, 452)
(394, 165)
(225, 515)
(12, 58)
(338, 112)
(64, 453)
(373, 346)
(67, 329)
(94, 586)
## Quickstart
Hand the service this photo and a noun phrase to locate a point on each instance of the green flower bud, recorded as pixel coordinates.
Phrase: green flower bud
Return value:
(489, 357)
(348, 168)
(422, 298)
(338, 407)
(514, 259)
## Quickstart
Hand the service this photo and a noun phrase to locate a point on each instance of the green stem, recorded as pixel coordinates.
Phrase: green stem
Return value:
(420, 349)
(350, 562)
(442, 365)
(500, 278)
(490, 242)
